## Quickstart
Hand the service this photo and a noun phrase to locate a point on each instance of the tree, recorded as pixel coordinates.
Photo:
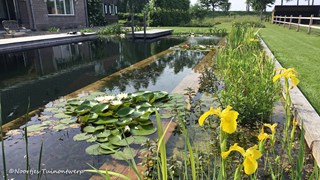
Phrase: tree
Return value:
(213, 4)
(225, 7)
(198, 11)
(247, 5)
(260, 5)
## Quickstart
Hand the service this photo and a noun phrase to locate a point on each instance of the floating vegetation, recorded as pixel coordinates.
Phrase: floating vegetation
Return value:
(110, 121)
(114, 121)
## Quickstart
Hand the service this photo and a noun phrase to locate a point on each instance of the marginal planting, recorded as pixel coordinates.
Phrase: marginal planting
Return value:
(247, 76)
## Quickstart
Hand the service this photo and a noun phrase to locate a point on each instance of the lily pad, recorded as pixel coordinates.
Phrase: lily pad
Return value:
(93, 149)
(127, 154)
(119, 141)
(125, 111)
(82, 137)
(92, 139)
(104, 134)
(74, 102)
(105, 152)
(102, 120)
(68, 120)
(60, 127)
(51, 109)
(61, 115)
(143, 130)
(36, 127)
(102, 140)
(48, 122)
(89, 129)
(108, 146)
(139, 139)
(99, 108)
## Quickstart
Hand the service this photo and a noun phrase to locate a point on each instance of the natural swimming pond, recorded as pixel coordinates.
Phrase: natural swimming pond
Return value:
(60, 152)
(48, 73)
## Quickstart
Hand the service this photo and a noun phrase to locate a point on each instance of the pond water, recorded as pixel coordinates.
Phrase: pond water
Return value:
(66, 73)
(48, 73)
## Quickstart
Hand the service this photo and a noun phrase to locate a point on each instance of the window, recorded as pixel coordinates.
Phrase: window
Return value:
(110, 9)
(60, 7)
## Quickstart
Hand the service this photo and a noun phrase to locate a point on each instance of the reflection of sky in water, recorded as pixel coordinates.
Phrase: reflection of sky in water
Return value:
(164, 74)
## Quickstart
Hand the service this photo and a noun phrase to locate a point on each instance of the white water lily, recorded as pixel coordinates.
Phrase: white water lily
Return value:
(122, 96)
(104, 99)
(116, 102)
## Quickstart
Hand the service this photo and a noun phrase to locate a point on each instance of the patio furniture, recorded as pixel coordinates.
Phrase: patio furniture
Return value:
(12, 29)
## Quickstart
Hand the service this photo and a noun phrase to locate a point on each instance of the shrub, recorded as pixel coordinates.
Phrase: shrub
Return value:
(111, 30)
(170, 17)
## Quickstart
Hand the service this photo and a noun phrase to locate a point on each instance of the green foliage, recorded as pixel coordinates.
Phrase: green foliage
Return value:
(54, 29)
(126, 18)
(213, 4)
(173, 4)
(86, 30)
(95, 13)
(247, 76)
(198, 12)
(137, 5)
(169, 17)
(113, 29)
(249, 24)
(260, 5)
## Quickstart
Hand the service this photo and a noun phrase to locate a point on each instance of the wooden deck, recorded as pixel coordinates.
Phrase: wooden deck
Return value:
(150, 34)
(31, 42)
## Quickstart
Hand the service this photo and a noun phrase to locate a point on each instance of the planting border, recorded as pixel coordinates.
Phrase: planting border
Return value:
(304, 113)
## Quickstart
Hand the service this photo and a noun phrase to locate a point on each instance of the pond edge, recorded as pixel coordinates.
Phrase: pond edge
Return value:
(303, 111)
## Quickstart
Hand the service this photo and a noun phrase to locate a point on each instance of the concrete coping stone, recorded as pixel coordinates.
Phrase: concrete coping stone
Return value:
(303, 111)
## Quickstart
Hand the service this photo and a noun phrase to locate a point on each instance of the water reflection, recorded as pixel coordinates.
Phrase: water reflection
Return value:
(48, 73)
(164, 74)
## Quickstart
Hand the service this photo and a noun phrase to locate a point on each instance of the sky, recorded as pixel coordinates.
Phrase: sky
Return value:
(239, 5)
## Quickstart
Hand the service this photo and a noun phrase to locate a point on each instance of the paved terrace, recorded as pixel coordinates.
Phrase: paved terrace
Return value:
(30, 42)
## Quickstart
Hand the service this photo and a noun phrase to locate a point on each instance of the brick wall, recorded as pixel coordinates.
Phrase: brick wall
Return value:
(43, 21)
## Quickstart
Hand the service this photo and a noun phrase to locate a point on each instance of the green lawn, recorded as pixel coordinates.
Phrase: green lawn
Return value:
(300, 51)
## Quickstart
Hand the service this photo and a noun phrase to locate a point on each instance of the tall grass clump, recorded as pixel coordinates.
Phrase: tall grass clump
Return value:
(247, 75)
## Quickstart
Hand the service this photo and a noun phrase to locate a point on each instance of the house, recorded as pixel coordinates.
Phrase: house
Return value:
(111, 10)
(43, 14)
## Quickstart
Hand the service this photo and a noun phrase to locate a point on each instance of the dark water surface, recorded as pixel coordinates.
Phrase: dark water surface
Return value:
(48, 73)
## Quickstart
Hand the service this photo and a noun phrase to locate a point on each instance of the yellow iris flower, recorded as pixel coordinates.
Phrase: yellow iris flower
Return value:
(262, 136)
(289, 73)
(250, 157)
(272, 127)
(228, 118)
